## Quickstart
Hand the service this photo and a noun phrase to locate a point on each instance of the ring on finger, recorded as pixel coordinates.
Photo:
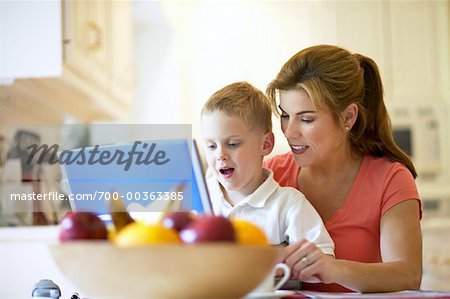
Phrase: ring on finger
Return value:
(304, 261)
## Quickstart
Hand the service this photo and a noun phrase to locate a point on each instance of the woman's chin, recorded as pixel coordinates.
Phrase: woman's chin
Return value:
(301, 161)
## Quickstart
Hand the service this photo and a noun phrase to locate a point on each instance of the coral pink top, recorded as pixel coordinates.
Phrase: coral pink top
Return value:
(355, 228)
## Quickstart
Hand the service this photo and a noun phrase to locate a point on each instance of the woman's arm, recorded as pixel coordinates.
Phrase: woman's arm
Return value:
(401, 250)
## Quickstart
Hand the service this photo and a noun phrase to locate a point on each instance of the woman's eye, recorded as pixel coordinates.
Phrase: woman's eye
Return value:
(284, 115)
(307, 120)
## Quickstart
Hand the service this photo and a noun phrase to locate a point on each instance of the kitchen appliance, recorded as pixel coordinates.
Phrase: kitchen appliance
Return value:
(419, 128)
(422, 131)
(46, 289)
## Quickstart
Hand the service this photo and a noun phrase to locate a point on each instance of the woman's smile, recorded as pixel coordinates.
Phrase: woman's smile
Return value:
(299, 149)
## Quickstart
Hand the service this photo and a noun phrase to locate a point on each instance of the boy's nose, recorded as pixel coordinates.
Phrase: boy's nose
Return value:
(222, 156)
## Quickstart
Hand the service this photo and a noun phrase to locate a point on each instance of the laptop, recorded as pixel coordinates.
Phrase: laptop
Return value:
(148, 176)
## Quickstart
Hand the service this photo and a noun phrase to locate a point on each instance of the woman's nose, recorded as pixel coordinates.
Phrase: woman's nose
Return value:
(291, 130)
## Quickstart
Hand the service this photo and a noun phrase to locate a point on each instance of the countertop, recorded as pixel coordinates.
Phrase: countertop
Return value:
(25, 259)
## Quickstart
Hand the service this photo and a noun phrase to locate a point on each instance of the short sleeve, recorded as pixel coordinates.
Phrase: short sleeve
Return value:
(303, 221)
(399, 186)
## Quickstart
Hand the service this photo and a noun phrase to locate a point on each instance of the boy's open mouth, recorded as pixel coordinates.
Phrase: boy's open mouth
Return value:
(226, 171)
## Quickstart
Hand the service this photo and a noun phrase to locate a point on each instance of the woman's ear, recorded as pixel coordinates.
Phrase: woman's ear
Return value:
(268, 144)
(350, 114)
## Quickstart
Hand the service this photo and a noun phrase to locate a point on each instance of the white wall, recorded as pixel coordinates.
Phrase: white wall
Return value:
(186, 50)
(207, 45)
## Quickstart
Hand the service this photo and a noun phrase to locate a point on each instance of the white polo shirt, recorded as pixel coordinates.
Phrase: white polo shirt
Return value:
(282, 212)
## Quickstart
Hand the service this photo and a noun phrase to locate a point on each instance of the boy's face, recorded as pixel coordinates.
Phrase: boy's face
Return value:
(234, 152)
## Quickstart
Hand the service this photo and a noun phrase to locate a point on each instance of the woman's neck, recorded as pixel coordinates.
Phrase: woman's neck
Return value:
(335, 169)
(327, 187)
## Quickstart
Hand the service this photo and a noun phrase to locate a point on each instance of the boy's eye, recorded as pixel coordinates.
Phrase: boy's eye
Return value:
(211, 146)
(233, 144)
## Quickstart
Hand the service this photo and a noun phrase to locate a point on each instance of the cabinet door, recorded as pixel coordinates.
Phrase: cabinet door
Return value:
(86, 38)
(417, 49)
(98, 52)
(122, 69)
(365, 27)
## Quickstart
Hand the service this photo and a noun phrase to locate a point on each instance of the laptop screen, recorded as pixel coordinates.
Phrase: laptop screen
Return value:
(148, 176)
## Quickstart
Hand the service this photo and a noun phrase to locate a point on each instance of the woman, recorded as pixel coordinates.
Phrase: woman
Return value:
(344, 159)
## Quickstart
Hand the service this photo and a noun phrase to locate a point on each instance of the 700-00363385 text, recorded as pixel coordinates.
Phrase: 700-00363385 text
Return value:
(101, 195)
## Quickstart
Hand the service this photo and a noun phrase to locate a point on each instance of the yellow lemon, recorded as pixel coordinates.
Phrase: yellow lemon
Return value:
(248, 233)
(139, 233)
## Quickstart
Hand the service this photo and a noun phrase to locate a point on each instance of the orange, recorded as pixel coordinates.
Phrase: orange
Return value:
(248, 233)
(139, 233)
(112, 233)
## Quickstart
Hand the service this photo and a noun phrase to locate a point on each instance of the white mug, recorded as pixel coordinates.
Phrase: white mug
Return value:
(268, 284)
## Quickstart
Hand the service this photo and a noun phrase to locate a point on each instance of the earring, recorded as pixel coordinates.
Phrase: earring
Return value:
(347, 128)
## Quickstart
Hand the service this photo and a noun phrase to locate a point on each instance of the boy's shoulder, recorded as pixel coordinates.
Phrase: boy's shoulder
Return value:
(287, 193)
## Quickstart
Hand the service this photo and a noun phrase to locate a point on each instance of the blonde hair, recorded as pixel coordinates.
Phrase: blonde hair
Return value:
(334, 78)
(243, 100)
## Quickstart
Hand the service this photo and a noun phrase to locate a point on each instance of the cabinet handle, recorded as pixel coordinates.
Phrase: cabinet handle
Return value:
(95, 43)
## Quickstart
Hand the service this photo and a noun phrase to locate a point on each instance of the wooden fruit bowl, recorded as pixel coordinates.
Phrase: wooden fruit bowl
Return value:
(214, 270)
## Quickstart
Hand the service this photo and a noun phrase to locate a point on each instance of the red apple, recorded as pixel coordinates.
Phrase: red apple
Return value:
(82, 226)
(178, 220)
(209, 229)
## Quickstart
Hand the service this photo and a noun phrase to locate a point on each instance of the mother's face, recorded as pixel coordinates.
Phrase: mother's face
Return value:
(314, 136)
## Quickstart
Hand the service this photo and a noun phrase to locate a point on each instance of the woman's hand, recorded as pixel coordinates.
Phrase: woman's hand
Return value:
(308, 263)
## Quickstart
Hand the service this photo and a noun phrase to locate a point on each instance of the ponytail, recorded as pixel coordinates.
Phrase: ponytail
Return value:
(376, 138)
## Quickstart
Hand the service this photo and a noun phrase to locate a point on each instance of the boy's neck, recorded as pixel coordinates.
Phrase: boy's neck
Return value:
(234, 197)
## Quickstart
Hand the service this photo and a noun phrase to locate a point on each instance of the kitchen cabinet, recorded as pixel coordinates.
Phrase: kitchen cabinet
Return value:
(97, 80)
(408, 40)
(419, 50)
(98, 51)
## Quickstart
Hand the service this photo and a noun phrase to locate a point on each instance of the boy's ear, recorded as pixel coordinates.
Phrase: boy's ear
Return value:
(268, 144)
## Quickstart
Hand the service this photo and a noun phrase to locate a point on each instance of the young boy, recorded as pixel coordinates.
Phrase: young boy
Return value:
(237, 133)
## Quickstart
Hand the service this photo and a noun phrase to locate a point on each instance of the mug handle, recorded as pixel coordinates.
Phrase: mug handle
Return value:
(286, 275)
